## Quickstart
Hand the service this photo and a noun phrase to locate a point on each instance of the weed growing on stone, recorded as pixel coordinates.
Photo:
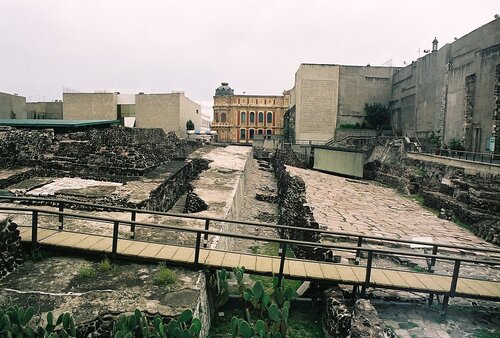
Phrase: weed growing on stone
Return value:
(86, 271)
(164, 276)
(418, 268)
(106, 266)
(461, 224)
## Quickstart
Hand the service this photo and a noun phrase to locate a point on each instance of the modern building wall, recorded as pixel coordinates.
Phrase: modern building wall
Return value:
(326, 96)
(238, 118)
(90, 106)
(189, 110)
(45, 110)
(316, 101)
(167, 111)
(452, 90)
(358, 86)
(12, 106)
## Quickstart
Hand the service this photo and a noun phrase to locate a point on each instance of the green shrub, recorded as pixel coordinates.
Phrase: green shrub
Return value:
(86, 271)
(164, 276)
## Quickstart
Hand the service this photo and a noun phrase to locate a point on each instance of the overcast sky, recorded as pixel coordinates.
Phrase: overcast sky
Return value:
(256, 46)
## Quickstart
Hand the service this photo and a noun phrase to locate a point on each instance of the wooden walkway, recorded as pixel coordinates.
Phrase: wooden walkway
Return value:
(293, 268)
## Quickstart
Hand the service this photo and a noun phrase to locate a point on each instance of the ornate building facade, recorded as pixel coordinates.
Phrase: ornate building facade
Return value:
(237, 118)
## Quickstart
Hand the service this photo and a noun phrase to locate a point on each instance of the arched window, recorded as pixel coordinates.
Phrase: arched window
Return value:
(243, 135)
(261, 117)
(269, 132)
(269, 117)
(243, 119)
(216, 117)
(252, 117)
(223, 117)
(251, 131)
(260, 132)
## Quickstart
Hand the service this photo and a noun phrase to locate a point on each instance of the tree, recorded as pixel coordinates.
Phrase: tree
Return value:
(189, 125)
(377, 115)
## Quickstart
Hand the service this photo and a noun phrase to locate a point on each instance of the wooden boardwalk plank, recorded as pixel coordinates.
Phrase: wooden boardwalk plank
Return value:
(184, 255)
(412, 280)
(395, 278)
(104, 245)
(297, 268)
(313, 270)
(347, 275)
(167, 252)
(215, 258)
(73, 240)
(56, 238)
(231, 260)
(44, 233)
(87, 242)
(264, 264)
(248, 261)
(133, 249)
(330, 272)
(359, 272)
(425, 278)
(442, 281)
(203, 256)
(480, 288)
(464, 288)
(151, 250)
(378, 278)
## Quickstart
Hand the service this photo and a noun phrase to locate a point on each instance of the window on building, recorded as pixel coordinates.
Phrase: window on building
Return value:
(260, 131)
(252, 117)
(223, 117)
(261, 117)
(216, 117)
(243, 135)
(269, 117)
(251, 131)
(269, 132)
(243, 118)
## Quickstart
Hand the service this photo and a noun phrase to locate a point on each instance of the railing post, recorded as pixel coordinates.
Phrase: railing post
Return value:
(132, 225)
(358, 252)
(368, 273)
(433, 259)
(114, 247)
(282, 253)
(454, 278)
(61, 217)
(205, 235)
(197, 249)
(34, 228)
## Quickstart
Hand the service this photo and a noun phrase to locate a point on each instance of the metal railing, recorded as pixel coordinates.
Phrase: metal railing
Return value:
(283, 243)
(360, 238)
(490, 158)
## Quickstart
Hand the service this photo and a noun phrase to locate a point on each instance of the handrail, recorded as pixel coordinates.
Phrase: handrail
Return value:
(269, 225)
(459, 154)
(282, 242)
(258, 238)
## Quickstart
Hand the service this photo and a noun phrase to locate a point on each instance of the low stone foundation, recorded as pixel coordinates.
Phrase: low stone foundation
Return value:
(10, 247)
(340, 322)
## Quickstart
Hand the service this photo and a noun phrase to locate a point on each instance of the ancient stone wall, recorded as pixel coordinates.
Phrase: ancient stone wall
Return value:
(294, 211)
(111, 151)
(165, 196)
(341, 322)
(10, 247)
(470, 199)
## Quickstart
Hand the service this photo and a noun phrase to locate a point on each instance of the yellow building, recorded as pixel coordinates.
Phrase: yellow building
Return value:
(237, 118)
